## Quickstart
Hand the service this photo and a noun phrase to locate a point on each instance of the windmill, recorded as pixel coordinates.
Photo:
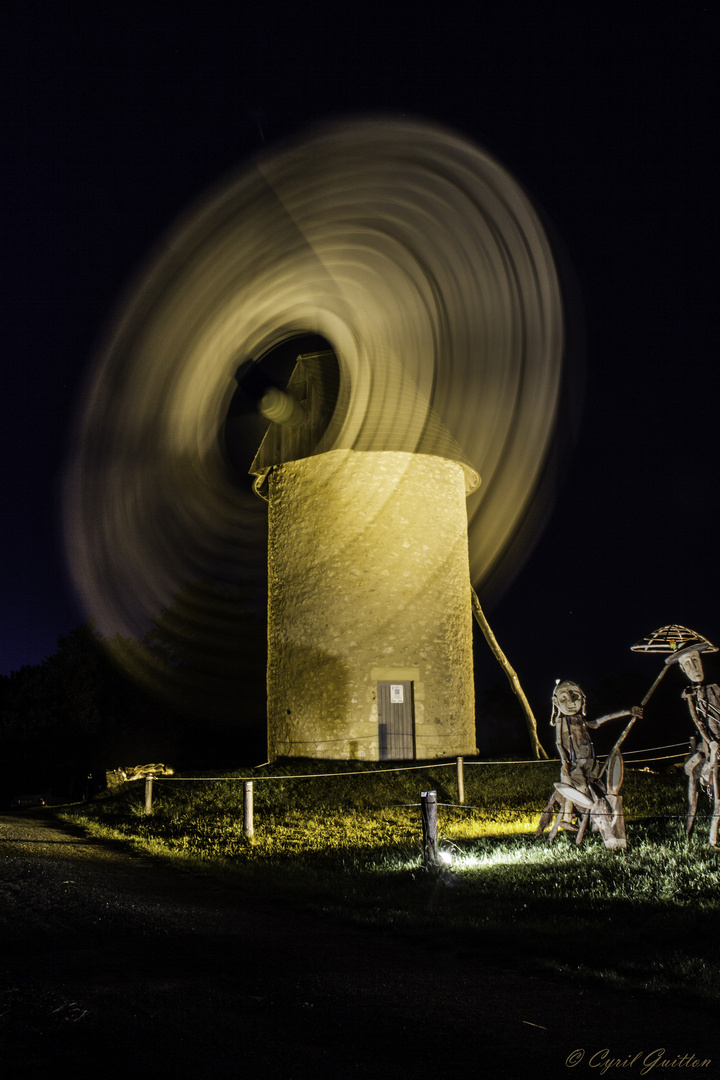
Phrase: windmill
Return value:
(399, 463)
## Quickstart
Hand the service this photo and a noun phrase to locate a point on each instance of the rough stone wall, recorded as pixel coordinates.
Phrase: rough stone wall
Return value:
(368, 580)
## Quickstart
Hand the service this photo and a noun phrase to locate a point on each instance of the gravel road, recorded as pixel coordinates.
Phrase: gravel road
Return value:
(115, 964)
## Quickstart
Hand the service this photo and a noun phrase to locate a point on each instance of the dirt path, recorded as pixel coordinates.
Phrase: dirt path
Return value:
(115, 964)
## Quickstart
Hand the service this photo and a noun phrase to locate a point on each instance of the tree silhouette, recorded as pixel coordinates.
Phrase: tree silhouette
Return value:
(192, 694)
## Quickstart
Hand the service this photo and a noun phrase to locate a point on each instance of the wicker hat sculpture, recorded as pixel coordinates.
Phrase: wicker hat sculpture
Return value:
(672, 640)
(400, 460)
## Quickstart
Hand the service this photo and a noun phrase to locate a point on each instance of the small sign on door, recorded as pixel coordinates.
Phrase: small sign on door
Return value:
(396, 693)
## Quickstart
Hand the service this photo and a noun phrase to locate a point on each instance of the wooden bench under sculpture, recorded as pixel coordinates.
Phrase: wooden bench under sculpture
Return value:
(586, 793)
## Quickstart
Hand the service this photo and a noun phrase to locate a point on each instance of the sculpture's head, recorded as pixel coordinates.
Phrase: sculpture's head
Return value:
(568, 699)
(690, 662)
(688, 659)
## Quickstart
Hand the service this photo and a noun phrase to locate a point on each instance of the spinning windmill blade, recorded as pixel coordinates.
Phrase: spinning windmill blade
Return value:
(420, 261)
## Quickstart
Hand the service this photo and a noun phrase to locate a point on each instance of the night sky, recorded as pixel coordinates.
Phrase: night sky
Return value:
(115, 119)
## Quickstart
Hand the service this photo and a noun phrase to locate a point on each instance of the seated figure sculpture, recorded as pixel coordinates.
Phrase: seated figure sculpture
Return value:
(583, 791)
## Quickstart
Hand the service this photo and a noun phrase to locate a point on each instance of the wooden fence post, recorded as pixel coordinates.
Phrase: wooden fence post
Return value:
(148, 794)
(461, 781)
(248, 809)
(428, 811)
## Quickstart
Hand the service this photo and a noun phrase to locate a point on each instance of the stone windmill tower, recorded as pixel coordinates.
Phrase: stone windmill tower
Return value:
(369, 618)
(424, 267)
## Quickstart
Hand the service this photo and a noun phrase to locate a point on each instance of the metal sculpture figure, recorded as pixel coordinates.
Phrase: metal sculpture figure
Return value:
(703, 765)
(703, 699)
(582, 792)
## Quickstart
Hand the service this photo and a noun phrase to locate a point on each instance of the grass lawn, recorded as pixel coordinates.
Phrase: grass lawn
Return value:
(349, 844)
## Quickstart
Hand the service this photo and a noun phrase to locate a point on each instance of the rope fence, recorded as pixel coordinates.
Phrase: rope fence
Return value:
(428, 799)
(400, 768)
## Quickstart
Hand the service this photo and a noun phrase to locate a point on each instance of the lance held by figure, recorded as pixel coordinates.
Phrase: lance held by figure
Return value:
(684, 648)
(583, 794)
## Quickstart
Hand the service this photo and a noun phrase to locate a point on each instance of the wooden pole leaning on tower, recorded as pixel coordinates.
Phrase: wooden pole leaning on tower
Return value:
(530, 721)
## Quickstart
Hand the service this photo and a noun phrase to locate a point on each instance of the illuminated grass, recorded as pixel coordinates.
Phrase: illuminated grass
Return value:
(645, 918)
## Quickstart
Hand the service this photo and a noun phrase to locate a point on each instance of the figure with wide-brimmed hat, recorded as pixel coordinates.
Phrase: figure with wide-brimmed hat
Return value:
(684, 647)
(583, 792)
